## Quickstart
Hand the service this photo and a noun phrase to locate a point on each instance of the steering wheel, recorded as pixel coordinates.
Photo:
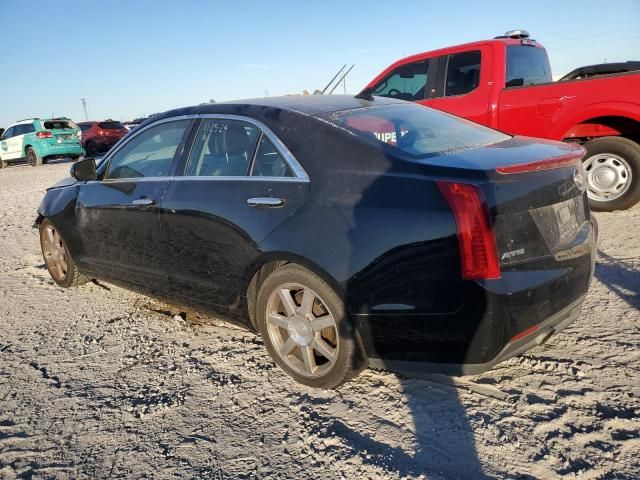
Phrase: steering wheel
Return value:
(394, 92)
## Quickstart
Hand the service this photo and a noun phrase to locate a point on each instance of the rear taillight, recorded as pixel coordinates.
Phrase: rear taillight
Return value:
(44, 135)
(478, 254)
(572, 158)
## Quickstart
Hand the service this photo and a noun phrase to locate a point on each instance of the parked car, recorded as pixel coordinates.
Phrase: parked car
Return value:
(38, 141)
(451, 250)
(506, 84)
(99, 137)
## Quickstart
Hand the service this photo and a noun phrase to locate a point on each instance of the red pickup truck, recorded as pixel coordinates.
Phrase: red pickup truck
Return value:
(506, 84)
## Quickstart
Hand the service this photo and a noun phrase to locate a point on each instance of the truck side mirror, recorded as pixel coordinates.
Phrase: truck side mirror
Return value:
(84, 170)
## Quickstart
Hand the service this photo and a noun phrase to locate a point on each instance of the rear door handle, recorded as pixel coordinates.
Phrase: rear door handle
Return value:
(265, 202)
(144, 201)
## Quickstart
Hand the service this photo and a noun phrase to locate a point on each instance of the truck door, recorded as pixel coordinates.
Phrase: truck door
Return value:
(463, 84)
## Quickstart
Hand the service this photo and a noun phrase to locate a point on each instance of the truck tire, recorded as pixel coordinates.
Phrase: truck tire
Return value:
(612, 165)
(33, 158)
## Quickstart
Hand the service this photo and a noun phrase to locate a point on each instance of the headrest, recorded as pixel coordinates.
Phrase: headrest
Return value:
(231, 141)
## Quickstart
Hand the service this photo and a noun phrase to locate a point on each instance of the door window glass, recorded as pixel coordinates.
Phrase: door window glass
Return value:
(28, 128)
(8, 133)
(269, 162)
(148, 154)
(407, 82)
(222, 148)
(463, 73)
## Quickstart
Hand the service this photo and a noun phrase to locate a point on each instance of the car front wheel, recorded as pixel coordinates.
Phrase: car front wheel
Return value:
(612, 165)
(56, 256)
(306, 330)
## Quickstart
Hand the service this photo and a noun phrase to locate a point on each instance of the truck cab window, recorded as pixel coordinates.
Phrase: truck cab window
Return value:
(463, 73)
(527, 66)
(407, 82)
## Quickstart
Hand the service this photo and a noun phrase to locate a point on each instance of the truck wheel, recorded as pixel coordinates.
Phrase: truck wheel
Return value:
(612, 165)
(33, 158)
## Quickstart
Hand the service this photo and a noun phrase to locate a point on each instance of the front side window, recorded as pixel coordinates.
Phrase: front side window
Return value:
(527, 65)
(407, 82)
(223, 148)
(414, 130)
(268, 161)
(148, 154)
(463, 73)
(9, 133)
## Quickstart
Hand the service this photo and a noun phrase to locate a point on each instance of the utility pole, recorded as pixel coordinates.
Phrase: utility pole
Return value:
(84, 107)
(266, 92)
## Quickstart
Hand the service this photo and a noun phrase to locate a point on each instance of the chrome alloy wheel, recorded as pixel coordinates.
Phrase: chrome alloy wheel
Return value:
(302, 330)
(608, 176)
(55, 254)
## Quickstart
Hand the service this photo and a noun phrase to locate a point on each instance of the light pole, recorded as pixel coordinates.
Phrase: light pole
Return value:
(84, 107)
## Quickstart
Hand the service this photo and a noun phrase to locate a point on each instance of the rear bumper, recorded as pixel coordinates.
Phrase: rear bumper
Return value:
(540, 335)
(70, 149)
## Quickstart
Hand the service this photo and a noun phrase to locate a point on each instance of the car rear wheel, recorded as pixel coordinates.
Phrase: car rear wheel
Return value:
(306, 330)
(33, 158)
(91, 149)
(56, 256)
(612, 165)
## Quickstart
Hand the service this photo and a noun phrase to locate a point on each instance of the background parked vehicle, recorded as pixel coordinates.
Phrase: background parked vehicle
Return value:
(506, 84)
(38, 141)
(99, 137)
(601, 69)
(458, 246)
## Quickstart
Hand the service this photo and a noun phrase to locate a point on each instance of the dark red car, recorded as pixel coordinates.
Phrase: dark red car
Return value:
(99, 137)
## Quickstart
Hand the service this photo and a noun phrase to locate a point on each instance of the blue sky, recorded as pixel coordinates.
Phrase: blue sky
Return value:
(129, 58)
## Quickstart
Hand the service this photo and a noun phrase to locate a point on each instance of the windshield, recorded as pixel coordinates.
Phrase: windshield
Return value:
(527, 65)
(413, 129)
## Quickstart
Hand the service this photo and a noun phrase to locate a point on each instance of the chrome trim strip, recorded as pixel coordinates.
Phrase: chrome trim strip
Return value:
(298, 171)
(242, 178)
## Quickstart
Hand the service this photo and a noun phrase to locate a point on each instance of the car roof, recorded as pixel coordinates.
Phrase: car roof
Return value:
(304, 104)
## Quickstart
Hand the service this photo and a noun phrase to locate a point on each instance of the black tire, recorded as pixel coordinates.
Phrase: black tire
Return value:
(91, 149)
(625, 149)
(350, 358)
(3, 164)
(67, 277)
(33, 158)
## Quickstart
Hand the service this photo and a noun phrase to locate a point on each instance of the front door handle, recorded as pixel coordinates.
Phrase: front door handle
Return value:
(265, 202)
(144, 201)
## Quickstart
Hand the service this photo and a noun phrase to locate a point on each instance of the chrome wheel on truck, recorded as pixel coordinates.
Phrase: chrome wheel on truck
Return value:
(612, 167)
(306, 330)
(608, 176)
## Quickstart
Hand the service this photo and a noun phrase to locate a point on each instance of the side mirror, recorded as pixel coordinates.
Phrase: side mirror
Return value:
(84, 170)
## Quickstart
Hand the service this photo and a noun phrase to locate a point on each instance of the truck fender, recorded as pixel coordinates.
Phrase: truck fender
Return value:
(566, 128)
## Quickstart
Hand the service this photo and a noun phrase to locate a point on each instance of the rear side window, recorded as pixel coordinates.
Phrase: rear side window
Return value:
(268, 161)
(414, 130)
(110, 125)
(148, 154)
(463, 73)
(527, 66)
(84, 126)
(28, 128)
(56, 124)
(407, 82)
(222, 148)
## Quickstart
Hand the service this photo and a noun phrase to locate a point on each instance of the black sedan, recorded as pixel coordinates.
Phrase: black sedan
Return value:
(348, 232)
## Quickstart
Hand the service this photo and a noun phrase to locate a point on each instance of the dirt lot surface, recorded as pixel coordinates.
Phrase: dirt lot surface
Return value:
(97, 382)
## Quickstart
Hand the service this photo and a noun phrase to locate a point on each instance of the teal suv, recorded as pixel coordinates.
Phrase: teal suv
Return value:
(38, 141)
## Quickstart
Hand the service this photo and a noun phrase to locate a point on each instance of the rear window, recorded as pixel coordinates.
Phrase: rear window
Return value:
(56, 124)
(527, 66)
(414, 129)
(110, 125)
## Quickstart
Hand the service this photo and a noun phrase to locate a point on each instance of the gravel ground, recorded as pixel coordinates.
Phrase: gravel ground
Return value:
(97, 382)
